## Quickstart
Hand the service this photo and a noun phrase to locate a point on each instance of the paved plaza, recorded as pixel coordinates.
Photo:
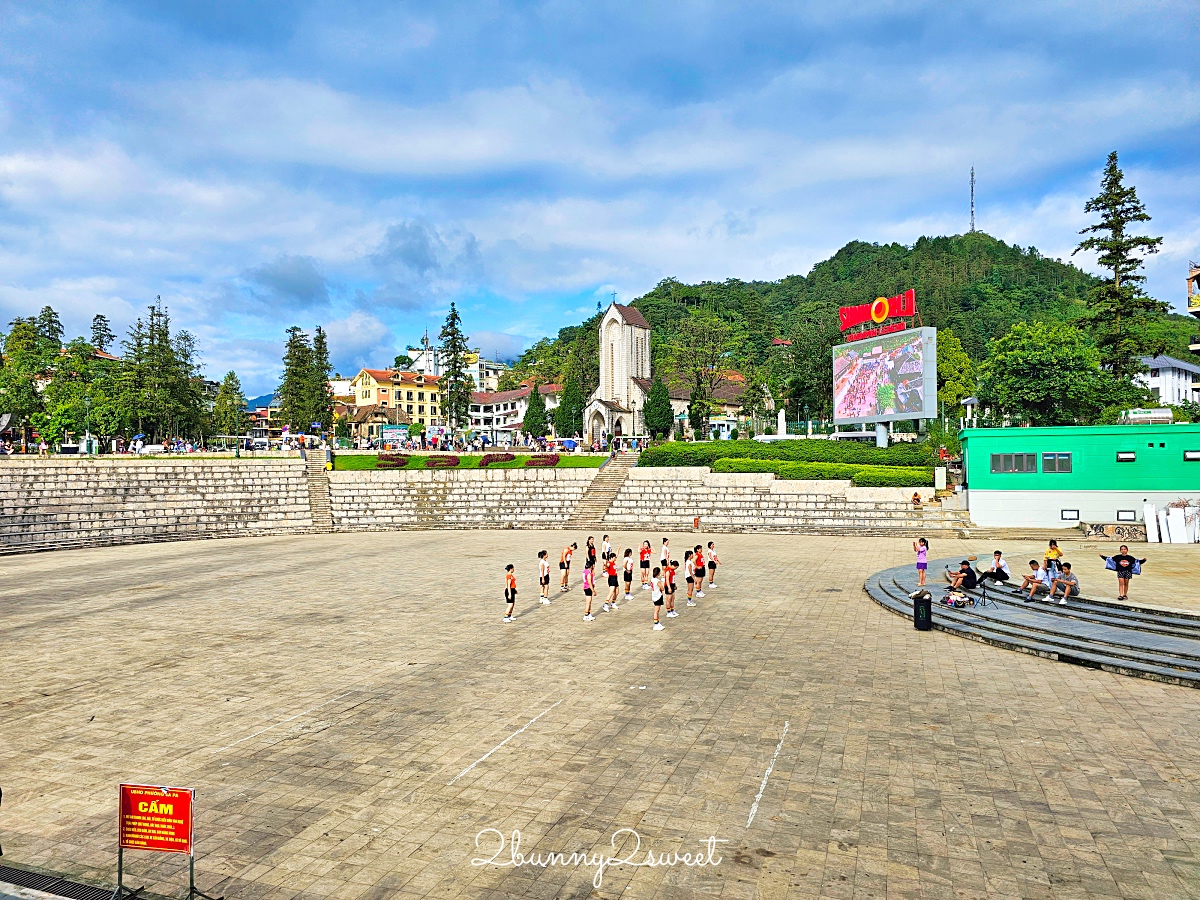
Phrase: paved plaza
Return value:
(352, 714)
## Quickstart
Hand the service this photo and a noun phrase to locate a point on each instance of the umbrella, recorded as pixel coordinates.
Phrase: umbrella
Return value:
(136, 436)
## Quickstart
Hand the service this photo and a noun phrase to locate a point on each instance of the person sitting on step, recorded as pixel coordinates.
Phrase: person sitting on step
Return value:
(964, 579)
(1067, 581)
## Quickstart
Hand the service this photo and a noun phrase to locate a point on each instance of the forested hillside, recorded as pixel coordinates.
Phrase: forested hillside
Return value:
(970, 285)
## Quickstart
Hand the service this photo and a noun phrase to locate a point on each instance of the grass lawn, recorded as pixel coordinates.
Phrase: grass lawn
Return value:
(466, 461)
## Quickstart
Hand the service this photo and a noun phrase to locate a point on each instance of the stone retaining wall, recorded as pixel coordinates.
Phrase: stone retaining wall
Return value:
(387, 499)
(670, 497)
(49, 503)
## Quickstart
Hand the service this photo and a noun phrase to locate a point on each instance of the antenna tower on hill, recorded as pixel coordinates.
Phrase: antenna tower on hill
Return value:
(972, 198)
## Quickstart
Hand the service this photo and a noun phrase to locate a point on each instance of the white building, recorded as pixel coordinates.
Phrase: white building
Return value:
(485, 373)
(500, 415)
(1171, 380)
(616, 404)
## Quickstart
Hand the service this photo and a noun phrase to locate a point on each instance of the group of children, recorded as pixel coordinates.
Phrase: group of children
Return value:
(698, 563)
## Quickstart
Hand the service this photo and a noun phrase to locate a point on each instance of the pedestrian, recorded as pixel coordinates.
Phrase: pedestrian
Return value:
(921, 548)
(544, 576)
(610, 569)
(689, 575)
(669, 573)
(644, 562)
(656, 596)
(605, 547)
(564, 564)
(664, 555)
(590, 549)
(589, 587)
(510, 591)
(1126, 567)
(628, 574)
(713, 562)
(698, 560)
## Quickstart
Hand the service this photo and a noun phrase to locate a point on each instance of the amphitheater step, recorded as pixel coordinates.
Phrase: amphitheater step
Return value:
(1155, 644)
(593, 506)
(319, 506)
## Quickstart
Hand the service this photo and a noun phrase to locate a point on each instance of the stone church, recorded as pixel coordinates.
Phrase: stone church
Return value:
(615, 407)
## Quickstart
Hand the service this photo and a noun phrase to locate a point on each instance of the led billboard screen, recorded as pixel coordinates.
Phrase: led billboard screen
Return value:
(886, 378)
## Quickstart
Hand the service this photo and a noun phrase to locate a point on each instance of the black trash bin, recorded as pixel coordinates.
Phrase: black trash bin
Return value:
(923, 611)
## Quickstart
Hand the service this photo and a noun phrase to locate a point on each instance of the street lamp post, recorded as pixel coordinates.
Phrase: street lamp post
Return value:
(807, 422)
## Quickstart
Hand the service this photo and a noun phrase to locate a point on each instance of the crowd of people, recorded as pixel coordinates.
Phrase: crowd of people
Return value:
(1049, 576)
(611, 576)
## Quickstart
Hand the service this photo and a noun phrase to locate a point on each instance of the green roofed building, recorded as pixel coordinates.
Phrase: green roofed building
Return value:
(1058, 477)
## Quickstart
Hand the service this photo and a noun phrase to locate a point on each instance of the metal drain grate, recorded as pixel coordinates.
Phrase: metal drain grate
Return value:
(52, 884)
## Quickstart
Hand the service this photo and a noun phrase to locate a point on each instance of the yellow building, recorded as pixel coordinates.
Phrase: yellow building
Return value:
(416, 394)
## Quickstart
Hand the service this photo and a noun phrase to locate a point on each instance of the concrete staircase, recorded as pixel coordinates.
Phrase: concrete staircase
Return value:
(319, 507)
(1145, 642)
(593, 506)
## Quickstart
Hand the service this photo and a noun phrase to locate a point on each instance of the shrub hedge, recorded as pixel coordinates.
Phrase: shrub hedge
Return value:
(442, 462)
(391, 461)
(489, 458)
(705, 453)
(546, 460)
(859, 475)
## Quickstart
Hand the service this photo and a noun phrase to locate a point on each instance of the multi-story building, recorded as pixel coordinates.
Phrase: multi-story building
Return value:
(427, 360)
(419, 395)
(1171, 380)
(500, 415)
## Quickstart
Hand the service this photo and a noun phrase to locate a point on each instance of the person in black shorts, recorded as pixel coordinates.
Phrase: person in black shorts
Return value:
(627, 573)
(510, 591)
(656, 594)
(590, 550)
(564, 565)
(644, 563)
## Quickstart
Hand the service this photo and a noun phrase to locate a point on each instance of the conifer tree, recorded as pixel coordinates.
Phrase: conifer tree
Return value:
(229, 408)
(295, 390)
(456, 385)
(102, 333)
(321, 395)
(1118, 309)
(657, 412)
(535, 413)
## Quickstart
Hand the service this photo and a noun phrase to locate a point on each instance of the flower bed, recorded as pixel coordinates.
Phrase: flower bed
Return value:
(489, 458)
(442, 462)
(391, 461)
(546, 460)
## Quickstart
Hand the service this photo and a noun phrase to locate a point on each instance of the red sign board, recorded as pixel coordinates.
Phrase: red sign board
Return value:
(156, 818)
(879, 310)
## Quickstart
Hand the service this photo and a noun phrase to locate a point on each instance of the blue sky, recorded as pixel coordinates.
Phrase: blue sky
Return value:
(360, 165)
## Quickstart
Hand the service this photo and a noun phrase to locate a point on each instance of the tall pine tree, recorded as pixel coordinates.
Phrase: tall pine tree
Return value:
(295, 391)
(1118, 309)
(322, 396)
(456, 385)
(102, 333)
(229, 408)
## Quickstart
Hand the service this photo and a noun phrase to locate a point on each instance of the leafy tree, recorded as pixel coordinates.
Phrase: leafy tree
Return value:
(102, 333)
(295, 391)
(699, 357)
(955, 371)
(229, 407)
(22, 363)
(1046, 373)
(1119, 311)
(456, 384)
(509, 380)
(568, 415)
(402, 363)
(81, 395)
(535, 413)
(657, 412)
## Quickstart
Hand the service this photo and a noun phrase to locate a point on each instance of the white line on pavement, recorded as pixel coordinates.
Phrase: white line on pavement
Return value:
(766, 775)
(284, 722)
(502, 743)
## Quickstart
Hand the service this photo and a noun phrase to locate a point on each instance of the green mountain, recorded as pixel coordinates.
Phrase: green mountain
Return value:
(971, 284)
